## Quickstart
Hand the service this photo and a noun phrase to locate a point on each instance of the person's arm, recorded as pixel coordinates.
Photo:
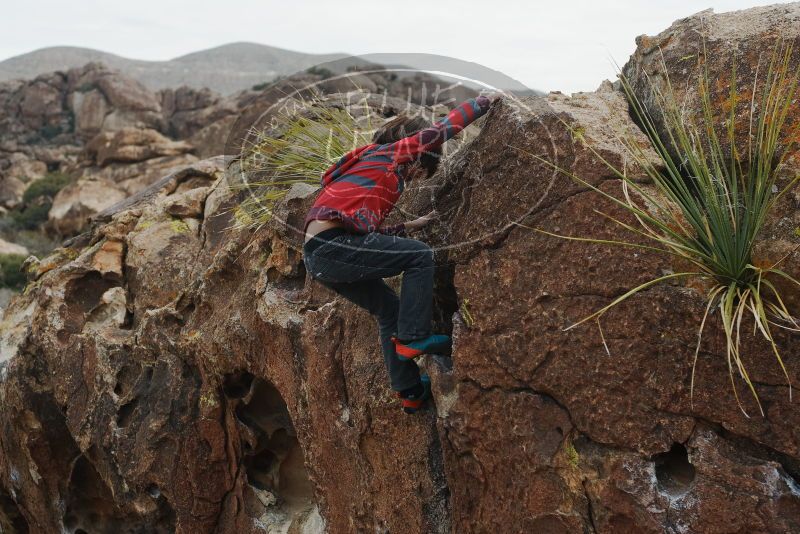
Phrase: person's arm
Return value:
(409, 148)
(403, 228)
(394, 229)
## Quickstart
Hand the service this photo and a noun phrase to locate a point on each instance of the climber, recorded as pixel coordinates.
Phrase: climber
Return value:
(348, 250)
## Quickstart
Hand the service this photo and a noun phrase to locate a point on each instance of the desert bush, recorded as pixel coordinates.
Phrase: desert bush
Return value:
(36, 202)
(320, 71)
(31, 216)
(11, 275)
(47, 186)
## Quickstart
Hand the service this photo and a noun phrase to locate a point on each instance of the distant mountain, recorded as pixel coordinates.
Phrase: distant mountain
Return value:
(226, 69)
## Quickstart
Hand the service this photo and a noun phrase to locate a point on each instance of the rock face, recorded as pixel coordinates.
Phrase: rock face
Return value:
(170, 373)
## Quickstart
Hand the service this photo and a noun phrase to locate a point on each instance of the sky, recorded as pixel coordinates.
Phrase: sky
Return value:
(547, 45)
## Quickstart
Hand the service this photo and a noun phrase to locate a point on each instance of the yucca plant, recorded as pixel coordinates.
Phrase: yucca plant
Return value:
(713, 202)
(297, 148)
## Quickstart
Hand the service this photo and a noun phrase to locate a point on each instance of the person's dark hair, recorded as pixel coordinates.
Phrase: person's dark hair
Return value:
(405, 126)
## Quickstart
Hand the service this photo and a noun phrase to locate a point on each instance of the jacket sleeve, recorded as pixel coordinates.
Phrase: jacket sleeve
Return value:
(409, 148)
(394, 229)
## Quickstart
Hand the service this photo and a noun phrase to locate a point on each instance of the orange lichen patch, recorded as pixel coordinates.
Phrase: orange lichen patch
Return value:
(793, 136)
(650, 44)
(764, 262)
(701, 285)
(109, 257)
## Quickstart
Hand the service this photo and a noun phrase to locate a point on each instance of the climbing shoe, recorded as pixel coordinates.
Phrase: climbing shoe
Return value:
(433, 344)
(413, 401)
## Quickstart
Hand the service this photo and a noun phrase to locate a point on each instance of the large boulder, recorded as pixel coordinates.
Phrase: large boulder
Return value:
(105, 100)
(117, 164)
(213, 138)
(131, 145)
(40, 103)
(7, 247)
(17, 170)
(24, 168)
(90, 108)
(75, 203)
(11, 190)
(590, 437)
(190, 110)
(73, 106)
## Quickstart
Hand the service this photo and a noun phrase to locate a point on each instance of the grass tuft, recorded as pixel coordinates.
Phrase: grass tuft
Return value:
(296, 148)
(11, 275)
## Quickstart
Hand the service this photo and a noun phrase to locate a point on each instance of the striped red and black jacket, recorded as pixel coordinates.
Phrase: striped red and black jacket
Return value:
(363, 186)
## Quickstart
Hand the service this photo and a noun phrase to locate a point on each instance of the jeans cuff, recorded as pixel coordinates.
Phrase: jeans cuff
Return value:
(412, 336)
(407, 385)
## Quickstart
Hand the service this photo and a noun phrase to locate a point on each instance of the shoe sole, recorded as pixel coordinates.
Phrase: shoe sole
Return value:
(407, 353)
(420, 404)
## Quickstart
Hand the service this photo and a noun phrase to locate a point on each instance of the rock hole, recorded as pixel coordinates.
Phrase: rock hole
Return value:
(445, 299)
(90, 506)
(82, 295)
(290, 282)
(125, 412)
(70, 522)
(273, 275)
(674, 473)
(85, 292)
(275, 466)
(125, 378)
(260, 469)
(11, 518)
(153, 491)
(237, 385)
(265, 411)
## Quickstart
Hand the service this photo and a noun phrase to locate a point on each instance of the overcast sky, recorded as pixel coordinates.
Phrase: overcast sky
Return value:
(555, 44)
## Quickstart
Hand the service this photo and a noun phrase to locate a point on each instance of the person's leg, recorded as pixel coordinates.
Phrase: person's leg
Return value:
(381, 301)
(373, 256)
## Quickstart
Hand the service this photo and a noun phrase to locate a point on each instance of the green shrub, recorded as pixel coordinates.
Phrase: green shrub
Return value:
(11, 275)
(50, 131)
(32, 216)
(320, 71)
(46, 186)
(36, 202)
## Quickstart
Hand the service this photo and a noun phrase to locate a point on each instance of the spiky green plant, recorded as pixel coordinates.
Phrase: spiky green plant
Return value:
(297, 148)
(713, 203)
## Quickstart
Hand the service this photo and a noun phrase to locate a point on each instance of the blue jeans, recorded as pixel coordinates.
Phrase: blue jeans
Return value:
(354, 265)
